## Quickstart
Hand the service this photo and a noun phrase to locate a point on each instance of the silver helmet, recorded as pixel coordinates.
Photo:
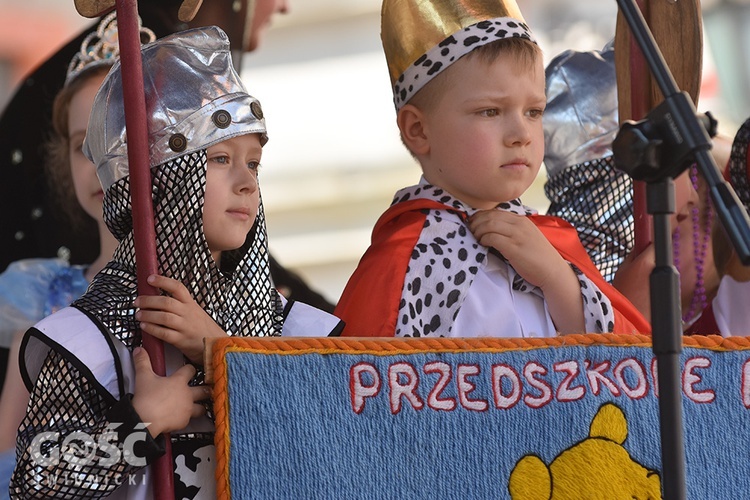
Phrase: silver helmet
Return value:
(581, 118)
(194, 99)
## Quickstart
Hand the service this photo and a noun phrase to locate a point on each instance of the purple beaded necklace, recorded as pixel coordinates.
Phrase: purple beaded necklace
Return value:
(698, 301)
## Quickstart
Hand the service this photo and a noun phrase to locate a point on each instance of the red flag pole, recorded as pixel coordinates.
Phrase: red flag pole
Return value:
(142, 205)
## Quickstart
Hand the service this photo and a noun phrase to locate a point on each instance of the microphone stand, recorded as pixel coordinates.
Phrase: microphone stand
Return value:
(656, 150)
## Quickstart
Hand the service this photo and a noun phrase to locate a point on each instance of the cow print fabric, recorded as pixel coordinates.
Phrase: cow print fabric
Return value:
(450, 50)
(447, 258)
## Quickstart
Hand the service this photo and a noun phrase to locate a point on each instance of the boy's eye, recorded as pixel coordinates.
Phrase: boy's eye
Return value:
(221, 159)
(489, 112)
(253, 165)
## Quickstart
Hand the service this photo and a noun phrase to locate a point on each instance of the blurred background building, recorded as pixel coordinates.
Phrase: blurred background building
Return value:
(334, 159)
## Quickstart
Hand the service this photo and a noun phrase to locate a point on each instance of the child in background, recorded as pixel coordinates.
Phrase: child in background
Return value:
(728, 313)
(31, 289)
(85, 369)
(586, 189)
(458, 254)
(583, 185)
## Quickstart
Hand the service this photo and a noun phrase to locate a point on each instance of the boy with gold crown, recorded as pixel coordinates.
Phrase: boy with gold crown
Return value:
(458, 254)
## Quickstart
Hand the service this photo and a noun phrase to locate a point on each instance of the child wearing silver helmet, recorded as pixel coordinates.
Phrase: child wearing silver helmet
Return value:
(90, 381)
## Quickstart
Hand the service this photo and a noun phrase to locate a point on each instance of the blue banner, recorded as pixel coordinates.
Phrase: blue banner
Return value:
(564, 421)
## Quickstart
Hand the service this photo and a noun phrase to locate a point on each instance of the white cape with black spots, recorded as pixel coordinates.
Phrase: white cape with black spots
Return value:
(455, 287)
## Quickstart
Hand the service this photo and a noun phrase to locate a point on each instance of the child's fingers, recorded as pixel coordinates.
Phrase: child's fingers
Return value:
(475, 220)
(197, 411)
(499, 242)
(201, 392)
(486, 228)
(160, 317)
(484, 215)
(171, 286)
(186, 372)
(158, 302)
(164, 334)
(491, 221)
(142, 362)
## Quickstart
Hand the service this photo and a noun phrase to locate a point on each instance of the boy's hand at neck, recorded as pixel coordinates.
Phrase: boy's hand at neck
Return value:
(536, 260)
(176, 318)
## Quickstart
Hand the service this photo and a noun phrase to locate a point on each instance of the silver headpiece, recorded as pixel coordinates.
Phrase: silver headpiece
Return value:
(581, 118)
(194, 99)
(101, 48)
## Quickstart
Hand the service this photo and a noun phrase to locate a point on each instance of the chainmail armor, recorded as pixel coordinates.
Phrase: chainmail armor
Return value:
(738, 171)
(597, 199)
(65, 401)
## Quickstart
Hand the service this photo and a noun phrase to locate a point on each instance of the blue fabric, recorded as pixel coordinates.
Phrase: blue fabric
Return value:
(32, 289)
(294, 432)
(7, 463)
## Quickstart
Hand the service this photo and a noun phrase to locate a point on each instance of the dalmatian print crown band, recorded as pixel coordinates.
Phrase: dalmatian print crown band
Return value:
(442, 55)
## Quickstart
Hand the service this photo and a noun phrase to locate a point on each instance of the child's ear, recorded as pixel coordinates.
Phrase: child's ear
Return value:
(411, 123)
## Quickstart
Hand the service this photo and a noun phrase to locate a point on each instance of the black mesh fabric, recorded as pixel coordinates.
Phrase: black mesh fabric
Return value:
(597, 199)
(738, 164)
(65, 401)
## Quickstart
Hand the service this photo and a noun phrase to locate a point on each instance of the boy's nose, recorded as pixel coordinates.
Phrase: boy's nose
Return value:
(518, 132)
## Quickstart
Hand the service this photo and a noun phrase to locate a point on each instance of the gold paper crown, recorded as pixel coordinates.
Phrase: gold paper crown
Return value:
(423, 33)
(101, 47)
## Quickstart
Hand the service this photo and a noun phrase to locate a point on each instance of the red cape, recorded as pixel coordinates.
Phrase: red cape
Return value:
(370, 301)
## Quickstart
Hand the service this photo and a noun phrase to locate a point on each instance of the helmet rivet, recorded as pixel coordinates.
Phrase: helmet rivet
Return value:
(256, 109)
(222, 118)
(177, 143)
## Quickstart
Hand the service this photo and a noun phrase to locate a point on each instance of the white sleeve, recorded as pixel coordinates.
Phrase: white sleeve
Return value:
(302, 320)
(731, 309)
